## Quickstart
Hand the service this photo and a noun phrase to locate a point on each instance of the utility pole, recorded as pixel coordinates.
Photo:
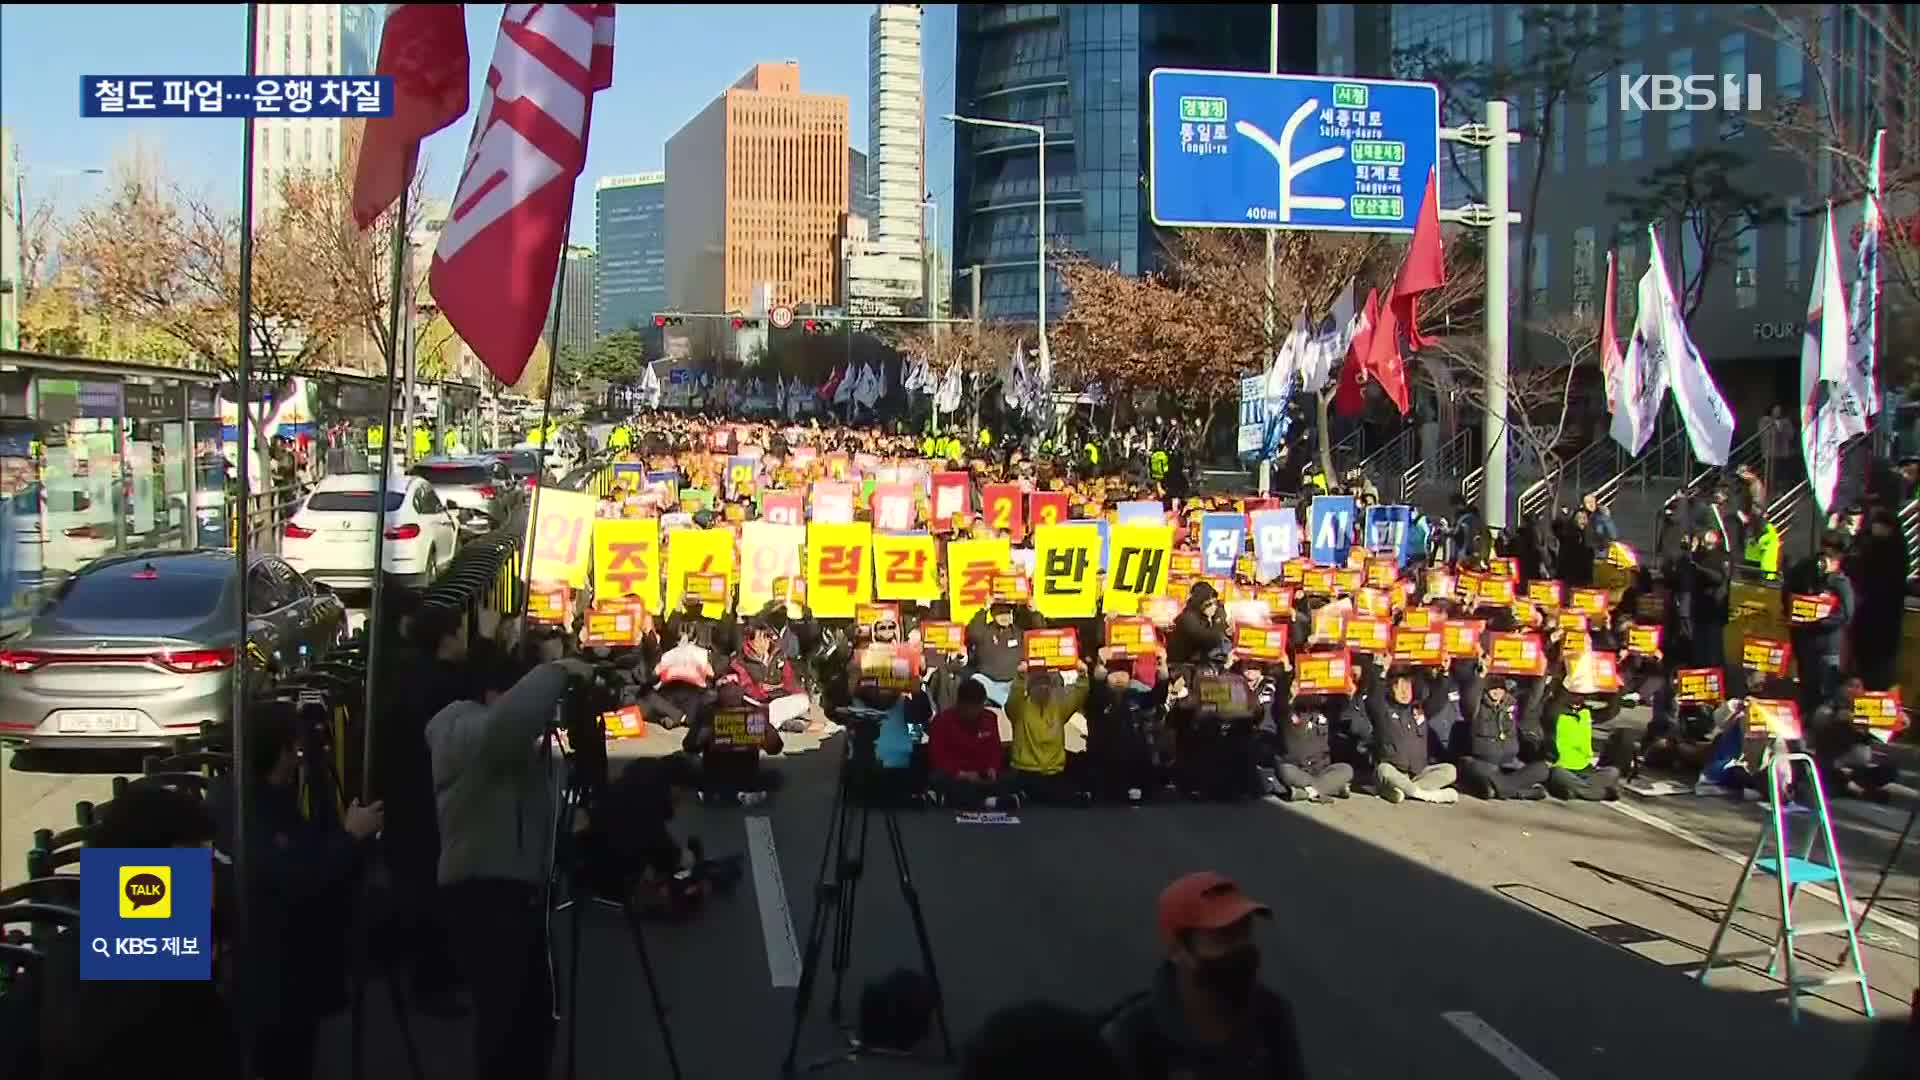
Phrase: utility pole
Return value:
(1273, 68)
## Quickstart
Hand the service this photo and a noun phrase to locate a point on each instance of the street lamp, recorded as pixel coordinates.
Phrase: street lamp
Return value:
(18, 285)
(927, 279)
(1040, 134)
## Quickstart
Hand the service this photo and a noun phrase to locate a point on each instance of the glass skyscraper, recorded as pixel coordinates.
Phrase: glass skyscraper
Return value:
(630, 267)
(1081, 70)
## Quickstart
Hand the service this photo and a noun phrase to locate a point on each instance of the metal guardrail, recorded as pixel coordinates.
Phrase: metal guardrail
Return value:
(1910, 528)
(1392, 459)
(1448, 463)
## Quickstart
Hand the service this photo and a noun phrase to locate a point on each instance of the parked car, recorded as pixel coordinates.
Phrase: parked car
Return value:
(473, 488)
(330, 536)
(137, 651)
(523, 465)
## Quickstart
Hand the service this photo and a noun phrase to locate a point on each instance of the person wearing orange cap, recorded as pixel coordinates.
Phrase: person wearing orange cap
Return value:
(1207, 1016)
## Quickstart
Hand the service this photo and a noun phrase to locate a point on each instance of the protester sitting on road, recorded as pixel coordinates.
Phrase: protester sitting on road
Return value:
(969, 769)
(1577, 771)
(767, 677)
(993, 648)
(1305, 769)
(1399, 724)
(1127, 739)
(1851, 760)
(1039, 704)
(1212, 723)
(1206, 1015)
(730, 771)
(1503, 750)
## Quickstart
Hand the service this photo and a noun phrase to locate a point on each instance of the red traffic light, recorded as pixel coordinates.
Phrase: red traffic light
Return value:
(739, 324)
(659, 321)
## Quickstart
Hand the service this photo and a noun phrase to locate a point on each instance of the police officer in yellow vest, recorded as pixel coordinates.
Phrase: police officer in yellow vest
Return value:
(1157, 464)
(1092, 450)
(422, 442)
(1763, 544)
(929, 446)
(985, 439)
(1577, 771)
(376, 438)
(450, 442)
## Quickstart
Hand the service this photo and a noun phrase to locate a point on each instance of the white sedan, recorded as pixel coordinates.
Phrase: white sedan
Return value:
(330, 537)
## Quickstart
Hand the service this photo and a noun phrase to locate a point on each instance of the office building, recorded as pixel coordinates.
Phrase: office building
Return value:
(759, 190)
(630, 265)
(12, 285)
(1079, 69)
(573, 305)
(308, 39)
(1746, 315)
(859, 186)
(885, 274)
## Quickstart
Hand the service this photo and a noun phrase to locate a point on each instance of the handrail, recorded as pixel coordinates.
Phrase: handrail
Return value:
(1401, 447)
(1457, 448)
(1910, 528)
(1542, 493)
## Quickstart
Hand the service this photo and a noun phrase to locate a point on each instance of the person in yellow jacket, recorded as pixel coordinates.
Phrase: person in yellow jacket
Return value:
(1039, 704)
(1763, 544)
(376, 438)
(422, 442)
(985, 439)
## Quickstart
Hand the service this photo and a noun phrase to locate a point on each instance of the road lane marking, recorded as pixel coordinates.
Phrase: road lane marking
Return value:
(770, 891)
(1498, 1046)
(1897, 925)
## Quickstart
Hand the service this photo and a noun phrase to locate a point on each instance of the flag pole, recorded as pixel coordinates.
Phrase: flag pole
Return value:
(243, 385)
(559, 300)
(376, 610)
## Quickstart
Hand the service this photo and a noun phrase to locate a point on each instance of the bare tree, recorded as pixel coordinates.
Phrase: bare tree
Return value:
(1699, 195)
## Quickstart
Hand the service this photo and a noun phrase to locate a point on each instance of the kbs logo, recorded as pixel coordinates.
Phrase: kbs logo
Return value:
(1691, 93)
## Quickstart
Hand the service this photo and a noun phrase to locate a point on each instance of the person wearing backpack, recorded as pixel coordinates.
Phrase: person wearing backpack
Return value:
(1206, 1016)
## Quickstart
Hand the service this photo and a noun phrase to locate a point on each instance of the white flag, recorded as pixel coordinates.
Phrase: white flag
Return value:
(1328, 342)
(1640, 387)
(948, 400)
(1866, 298)
(1824, 369)
(1013, 378)
(843, 393)
(1708, 418)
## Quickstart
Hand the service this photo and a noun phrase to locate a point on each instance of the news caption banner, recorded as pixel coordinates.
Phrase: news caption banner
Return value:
(317, 96)
(1248, 150)
(146, 914)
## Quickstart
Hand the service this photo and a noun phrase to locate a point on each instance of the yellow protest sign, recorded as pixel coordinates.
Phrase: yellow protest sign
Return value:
(560, 536)
(1066, 571)
(971, 567)
(698, 551)
(906, 567)
(626, 560)
(768, 552)
(839, 578)
(1139, 558)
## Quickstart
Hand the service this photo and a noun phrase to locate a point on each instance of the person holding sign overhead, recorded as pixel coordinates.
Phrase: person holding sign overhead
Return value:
(1399, 723)
(1127, 739)
(1039, 704)
(1498, 732)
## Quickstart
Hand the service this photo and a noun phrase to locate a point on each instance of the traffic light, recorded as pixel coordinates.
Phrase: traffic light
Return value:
(745, 324)
(816, 326)
(661, 321)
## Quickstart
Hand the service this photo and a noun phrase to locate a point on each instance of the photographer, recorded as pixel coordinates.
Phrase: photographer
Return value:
(497, 782)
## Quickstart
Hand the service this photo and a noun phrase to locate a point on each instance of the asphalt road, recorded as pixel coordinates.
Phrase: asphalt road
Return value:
(1410, 938)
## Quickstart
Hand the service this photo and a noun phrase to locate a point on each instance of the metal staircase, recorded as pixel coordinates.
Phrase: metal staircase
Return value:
(1386, 465)
(1563, 485)
(1348, 452)
(1455, 459)
(1910, 528)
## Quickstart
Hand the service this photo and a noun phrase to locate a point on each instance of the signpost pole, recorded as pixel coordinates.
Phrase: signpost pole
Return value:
(1273, 68)
(1499, 233)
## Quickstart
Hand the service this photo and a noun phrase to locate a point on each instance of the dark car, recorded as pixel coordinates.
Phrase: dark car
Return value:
(137, 651)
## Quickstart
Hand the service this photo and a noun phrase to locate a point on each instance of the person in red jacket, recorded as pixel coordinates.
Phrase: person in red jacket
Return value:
(766, 677)
(968, 762)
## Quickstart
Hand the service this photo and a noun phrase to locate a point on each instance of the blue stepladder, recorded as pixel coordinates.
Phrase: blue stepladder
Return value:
(1792, 873)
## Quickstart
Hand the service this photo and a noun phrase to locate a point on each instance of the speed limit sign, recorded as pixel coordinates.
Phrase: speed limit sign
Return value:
(782, 317)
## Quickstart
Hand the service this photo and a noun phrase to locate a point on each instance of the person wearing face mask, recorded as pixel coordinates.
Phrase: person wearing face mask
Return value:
(1200, 633)
(993, 649)
(1305, 767)
(1038, 707)
(1399, 723)
(1206, 1015)
(1816, 645)
(1497, 734)
(1126, 732)
(768, 679)
(1706, 575)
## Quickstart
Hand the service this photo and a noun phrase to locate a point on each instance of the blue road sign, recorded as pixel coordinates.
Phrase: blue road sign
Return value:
(1330, 522)
(1234, 149)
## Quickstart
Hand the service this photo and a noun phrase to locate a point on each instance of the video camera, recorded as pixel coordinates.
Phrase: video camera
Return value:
(581, 711)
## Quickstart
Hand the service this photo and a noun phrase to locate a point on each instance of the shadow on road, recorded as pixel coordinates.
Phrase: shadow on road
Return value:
(79, 762)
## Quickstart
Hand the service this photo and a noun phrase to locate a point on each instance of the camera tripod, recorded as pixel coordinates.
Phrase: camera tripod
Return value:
(579, 897)
(843, 861)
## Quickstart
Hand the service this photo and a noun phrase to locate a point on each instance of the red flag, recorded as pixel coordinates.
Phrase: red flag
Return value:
(494, 269)
(1610, 358)
(833, 383)
(1347, 396)
(424, 48)
(1425, 267)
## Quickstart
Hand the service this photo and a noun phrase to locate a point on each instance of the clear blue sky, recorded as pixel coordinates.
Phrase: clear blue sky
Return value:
(669, 61)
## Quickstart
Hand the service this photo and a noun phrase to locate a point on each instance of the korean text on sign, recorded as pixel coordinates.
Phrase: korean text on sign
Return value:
(294, 96)
(1516, 654)
(1699, 686)
(768, 552)
(1066, 578)
(1768, 656)
(561, 537)
(626, 560)
(971, 567)
(1325, 672)
(1000, 506)
(698, 551)
(906, 567)
(1138, 564)
(1131, 636)
(1056, 650)
(839, 575)
(943, 637)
